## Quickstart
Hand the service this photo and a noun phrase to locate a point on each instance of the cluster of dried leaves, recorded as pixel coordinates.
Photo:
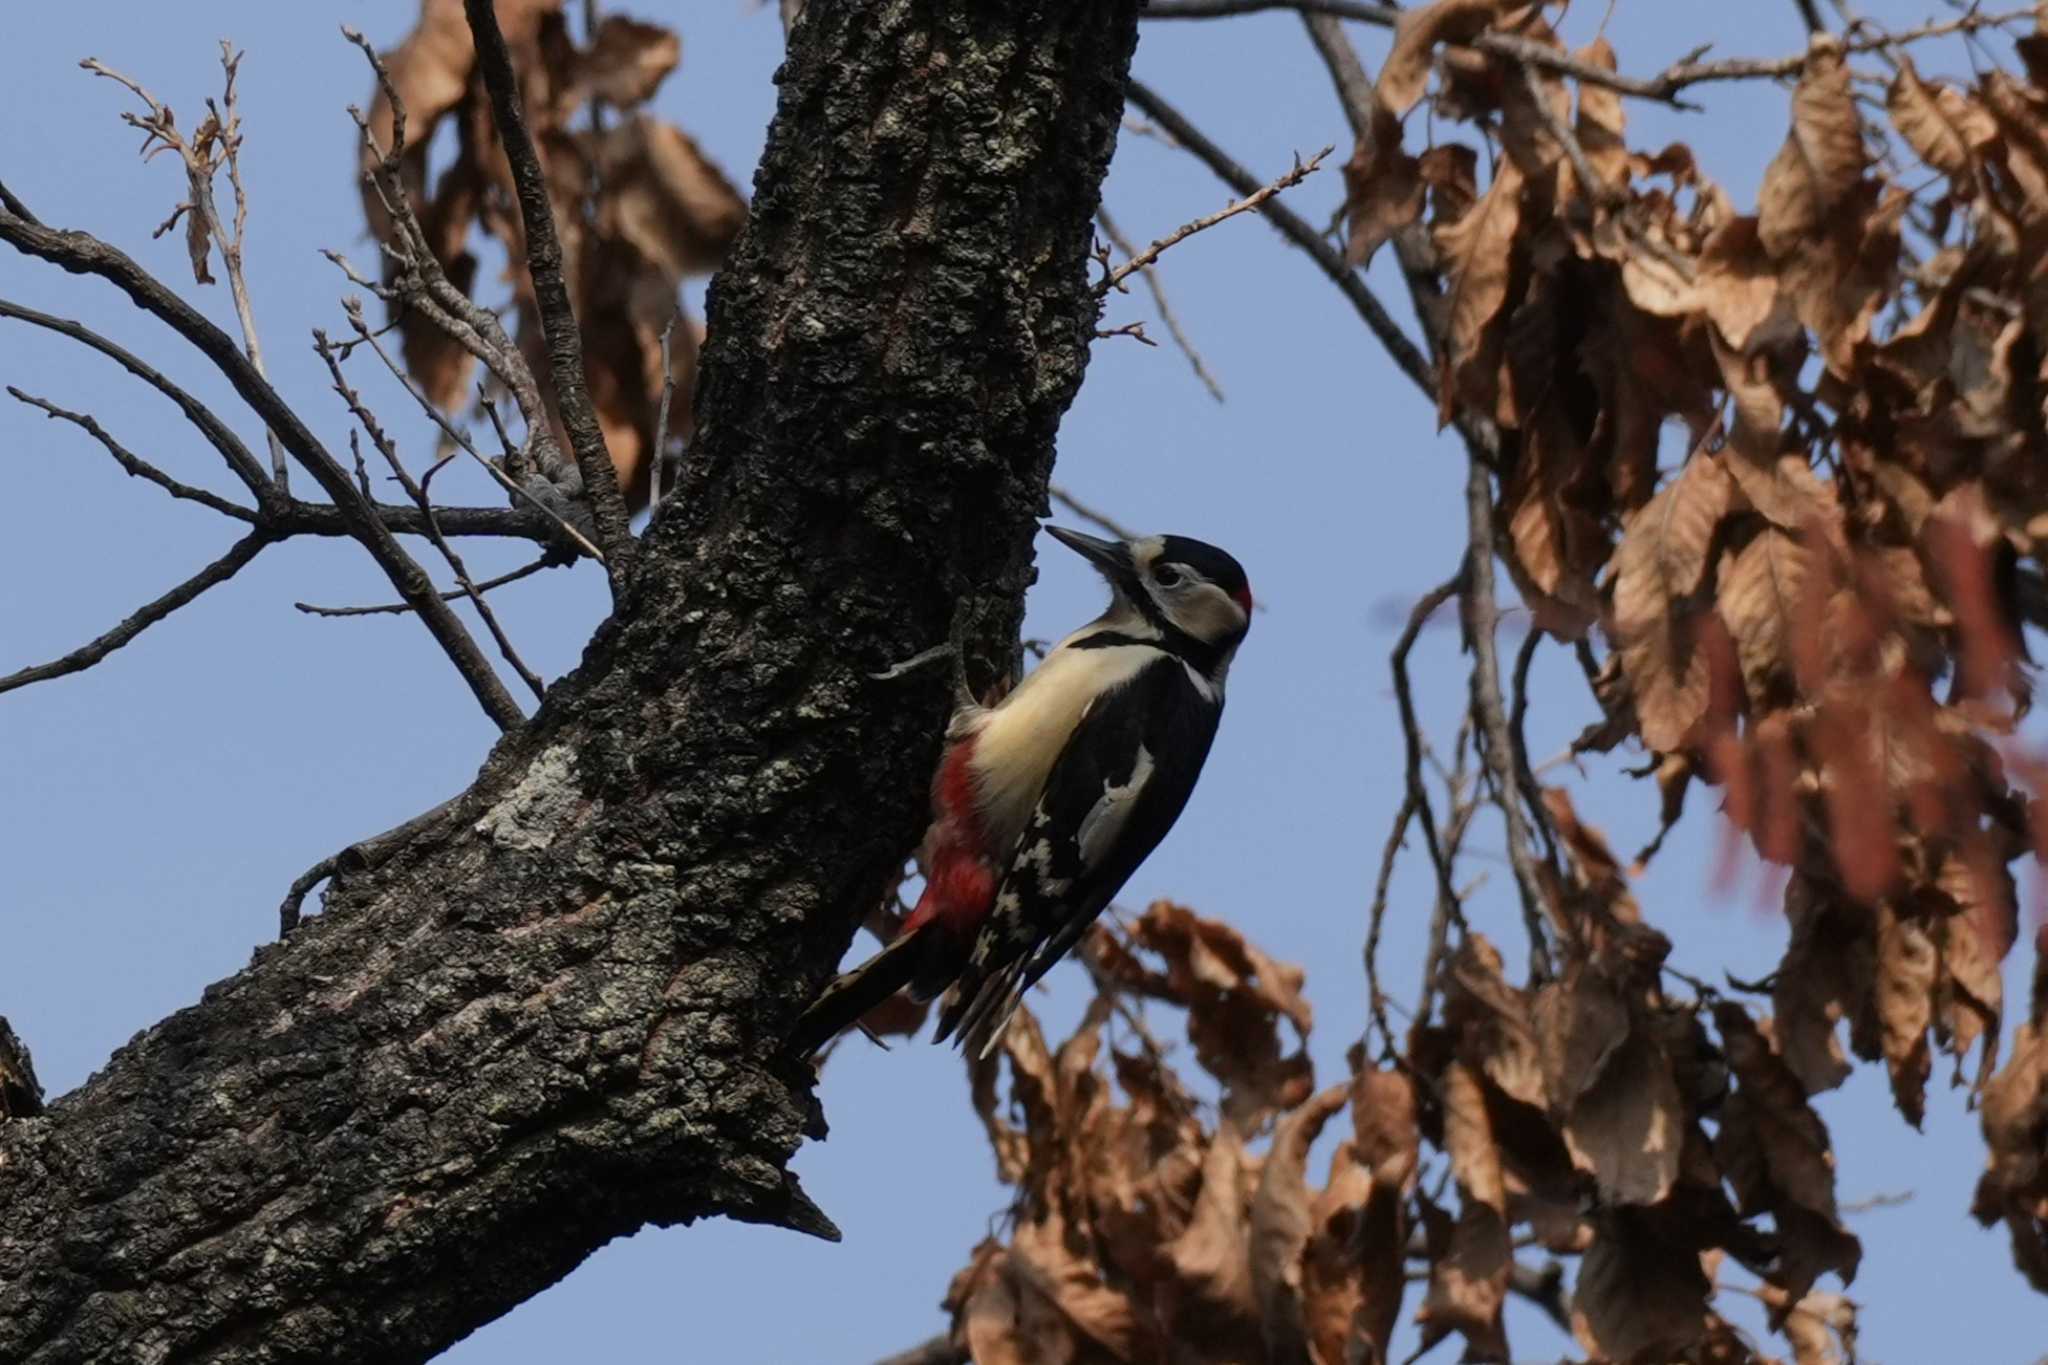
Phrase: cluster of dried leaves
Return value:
(1568, 1118)
(1820, 608)
(638, 207)
(1813, 602)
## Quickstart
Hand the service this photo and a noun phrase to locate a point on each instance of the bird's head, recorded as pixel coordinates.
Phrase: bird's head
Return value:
(1184, 590)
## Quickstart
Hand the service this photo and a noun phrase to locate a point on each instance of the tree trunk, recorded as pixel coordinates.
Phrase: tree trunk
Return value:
(552, 1015)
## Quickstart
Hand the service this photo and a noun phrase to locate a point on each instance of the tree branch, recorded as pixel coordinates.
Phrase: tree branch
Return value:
(81, 253)
(557, 316)
(1296, 230)
(1143, 260)
(554, 1012)
(240, 461)
(145, 616)
(134, 465)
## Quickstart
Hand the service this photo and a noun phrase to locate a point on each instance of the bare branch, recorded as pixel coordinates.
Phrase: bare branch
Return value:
(134, 465)
(1296, 230)
(217, 141)
(82, 253)
(557, 315)
(1362, 10)
(1482, 617)
(498, 704)
(365, 336)
(668, 394)
(453, 595)
(1089, 514)
(1144, 259)
(1417, 801)
(238, 456)
(1160, 304)
(423, 286)
(86, 655)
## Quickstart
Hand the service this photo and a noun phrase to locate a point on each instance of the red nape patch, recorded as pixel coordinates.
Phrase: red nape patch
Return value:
(1244, 599)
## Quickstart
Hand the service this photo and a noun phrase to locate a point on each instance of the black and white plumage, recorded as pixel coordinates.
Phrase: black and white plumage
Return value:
(1046, 803)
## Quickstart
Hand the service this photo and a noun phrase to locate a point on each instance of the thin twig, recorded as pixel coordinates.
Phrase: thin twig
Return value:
(134, 465)
(1525, 775)
(1362, 10)
(218, 140)
(86, 655)
(501, 706)
(1417, 793)
(668, 393)
(366, 337)
(1089, 514)
(452, 595)
(1376, 921)
(1481, 619)
(1160, 304)
(241, 462)
(1297, 230)
(82, 253)
(551, 295)
(1143, 259)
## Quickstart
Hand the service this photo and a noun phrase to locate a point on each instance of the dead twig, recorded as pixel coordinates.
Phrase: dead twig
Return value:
(86, 655)
(1300, 171)
(452, 595)
(134, 465)
(1482, 616)
(551, 294)
(1088, 514)
(668, 394)
(1297, 230)
(1157, 288)
(497, 702)
(215, 143)
(1362, 10)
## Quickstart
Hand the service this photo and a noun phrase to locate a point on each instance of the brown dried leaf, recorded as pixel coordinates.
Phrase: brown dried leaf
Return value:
(1659, 565)
(1468, 1282)
(1477, 255)
(666, 198)
(1281, 1223)
(1383, 187)
(1777, 1158)
(1828, 975)
(1624, 1118)
(1490, 1020)
(1738, 287)
(1052, 1262)
(1823, 155)
(1405, 75)
(1943, 126)
(1602, 122)
(627, 61)
(2014, 1187)
(1759, 599)
(1908, 966)
(1639, 1298)
(1212, 1292)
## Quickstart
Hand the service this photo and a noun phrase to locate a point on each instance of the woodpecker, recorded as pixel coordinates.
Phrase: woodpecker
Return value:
(1045, 803)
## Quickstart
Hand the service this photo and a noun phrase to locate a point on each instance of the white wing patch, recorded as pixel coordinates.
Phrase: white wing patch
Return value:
(1106, 819)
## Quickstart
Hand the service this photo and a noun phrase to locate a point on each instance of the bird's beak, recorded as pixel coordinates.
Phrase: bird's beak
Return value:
(1111, 558)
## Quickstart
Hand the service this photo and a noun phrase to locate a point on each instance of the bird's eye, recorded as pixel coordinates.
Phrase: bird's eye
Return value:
(1166, 576)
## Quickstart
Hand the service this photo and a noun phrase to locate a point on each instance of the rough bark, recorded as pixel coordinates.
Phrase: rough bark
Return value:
(552, 1015)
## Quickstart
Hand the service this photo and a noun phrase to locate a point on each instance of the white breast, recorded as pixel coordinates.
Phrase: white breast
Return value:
(1018, 741)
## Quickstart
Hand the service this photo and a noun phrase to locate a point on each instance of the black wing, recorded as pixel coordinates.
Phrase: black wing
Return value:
(1114, 791)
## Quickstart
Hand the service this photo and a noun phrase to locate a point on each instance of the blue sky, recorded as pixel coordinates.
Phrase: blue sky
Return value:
(154, 809)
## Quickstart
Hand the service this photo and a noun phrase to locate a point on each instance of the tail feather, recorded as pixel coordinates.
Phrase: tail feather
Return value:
(852, 994)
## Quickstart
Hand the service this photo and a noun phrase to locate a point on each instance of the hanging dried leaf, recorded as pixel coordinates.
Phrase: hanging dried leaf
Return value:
(1659, 564)
(1823, 156)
